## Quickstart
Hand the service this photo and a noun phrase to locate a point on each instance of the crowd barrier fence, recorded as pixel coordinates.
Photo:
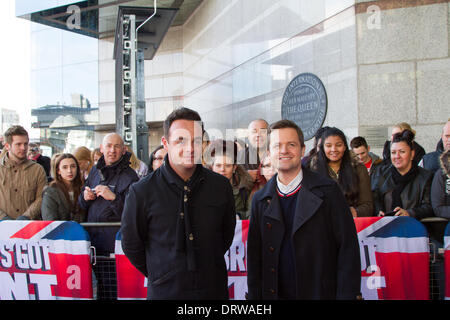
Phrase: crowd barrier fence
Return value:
(54, 260)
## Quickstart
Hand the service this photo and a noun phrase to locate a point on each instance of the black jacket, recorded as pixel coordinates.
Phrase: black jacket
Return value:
(430, 161)
(327, 258)
(180, 245)
(415, 196)
(440, 188)
(118, 177)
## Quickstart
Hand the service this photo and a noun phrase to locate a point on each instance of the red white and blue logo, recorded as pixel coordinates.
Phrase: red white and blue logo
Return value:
(394, 258)
(44, 260)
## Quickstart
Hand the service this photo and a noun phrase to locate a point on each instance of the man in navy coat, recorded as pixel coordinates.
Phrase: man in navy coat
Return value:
(302, 241)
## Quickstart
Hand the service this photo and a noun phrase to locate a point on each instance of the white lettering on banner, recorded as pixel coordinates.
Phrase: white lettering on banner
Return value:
(27, 255)
(240, 286)
(235, 257)
(74, 280)
(13, 286)
(43, 286)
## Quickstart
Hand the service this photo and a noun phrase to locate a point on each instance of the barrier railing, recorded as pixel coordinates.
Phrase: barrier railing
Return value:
(28, 242)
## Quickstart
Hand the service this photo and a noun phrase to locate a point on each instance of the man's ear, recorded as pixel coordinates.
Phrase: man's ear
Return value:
(165, 143)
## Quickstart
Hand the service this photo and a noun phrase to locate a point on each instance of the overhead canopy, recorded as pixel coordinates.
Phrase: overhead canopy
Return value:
(152, 32)
(98, 18)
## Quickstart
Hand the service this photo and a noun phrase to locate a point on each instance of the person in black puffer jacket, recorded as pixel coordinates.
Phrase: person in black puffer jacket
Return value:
(440, 188)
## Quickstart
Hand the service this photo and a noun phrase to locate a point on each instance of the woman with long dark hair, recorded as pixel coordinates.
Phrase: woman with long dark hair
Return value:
(334, 160)
(402, 188)
(224, 161)
(59, 199)
(156, 158)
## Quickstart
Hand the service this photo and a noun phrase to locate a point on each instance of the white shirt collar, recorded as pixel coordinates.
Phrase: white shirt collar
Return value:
(285, 189)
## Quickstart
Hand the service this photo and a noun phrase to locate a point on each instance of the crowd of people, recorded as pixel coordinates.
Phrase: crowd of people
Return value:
(110, 184)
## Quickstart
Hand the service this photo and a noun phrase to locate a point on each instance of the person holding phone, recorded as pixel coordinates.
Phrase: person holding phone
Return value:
(402, 189)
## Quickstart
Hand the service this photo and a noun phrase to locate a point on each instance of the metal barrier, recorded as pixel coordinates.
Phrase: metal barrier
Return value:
(104, 282)
(436, 227)
(104, 268)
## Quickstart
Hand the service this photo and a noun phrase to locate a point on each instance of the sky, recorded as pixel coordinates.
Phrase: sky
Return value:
(15, 55)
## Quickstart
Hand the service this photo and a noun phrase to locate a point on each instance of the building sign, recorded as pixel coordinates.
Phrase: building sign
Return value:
(305, 103)
(375, 136)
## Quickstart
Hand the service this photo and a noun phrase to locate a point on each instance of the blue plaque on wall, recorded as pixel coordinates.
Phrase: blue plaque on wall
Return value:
(305, 103)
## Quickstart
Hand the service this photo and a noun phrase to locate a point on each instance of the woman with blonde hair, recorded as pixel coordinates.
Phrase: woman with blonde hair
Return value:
(419, 151)
(59, 199)
(137, 165)
(83, 156)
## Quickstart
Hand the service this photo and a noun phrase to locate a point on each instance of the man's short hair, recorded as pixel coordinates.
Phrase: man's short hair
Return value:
(282, 124)
(14, 131)
(358, 142)
(180, 114)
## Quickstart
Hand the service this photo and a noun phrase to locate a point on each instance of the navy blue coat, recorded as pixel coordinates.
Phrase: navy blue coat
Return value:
(326, 249)
(118, 177)
(151, 225)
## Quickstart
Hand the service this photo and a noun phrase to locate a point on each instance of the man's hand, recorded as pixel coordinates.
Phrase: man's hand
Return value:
(88, 194)
(104, 192)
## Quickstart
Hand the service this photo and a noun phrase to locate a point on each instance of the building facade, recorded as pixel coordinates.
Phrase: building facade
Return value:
(381, 62)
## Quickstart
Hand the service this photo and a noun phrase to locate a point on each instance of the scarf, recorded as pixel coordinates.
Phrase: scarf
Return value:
(185, 238)
(400, 182)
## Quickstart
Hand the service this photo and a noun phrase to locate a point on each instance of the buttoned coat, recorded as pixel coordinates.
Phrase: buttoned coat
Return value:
(149, 229)
(326, 249)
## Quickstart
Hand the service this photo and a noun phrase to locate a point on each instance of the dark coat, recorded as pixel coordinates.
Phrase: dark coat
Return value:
(440, 193)
(55, 206)
(415, 196)
(118, 177)
(150, 229)
(430, 161)
(327, 258)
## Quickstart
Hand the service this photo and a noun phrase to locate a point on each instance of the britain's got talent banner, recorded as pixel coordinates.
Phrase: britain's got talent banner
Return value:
(447, 261)
(131, 284)
(394, 258)
(44, 260)
(394, 261)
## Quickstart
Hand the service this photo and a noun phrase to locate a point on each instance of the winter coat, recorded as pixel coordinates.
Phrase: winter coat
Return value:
(55, 206)
(440, 188)
(415, 196)
(242, 193)
(326, 249)
(21, 189)
(176, 233)
(364, 202)
(430, 161)
(118, 177)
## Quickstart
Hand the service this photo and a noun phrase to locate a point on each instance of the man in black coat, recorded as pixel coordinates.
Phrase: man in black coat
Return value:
(103, 194)
(302, 241)
(178, 222)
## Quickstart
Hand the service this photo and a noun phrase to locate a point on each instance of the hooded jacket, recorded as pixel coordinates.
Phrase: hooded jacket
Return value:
(118, 177)
(440, 188)
(176, 233)
(21, 188)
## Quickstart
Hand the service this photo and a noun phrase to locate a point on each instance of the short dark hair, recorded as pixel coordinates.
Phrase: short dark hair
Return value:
(226, 148)
(180, 114)
(14, 131)
(358, 142)
(282, 124)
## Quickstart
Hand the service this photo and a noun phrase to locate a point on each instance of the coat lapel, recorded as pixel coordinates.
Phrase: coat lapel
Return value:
(273, 209)
(307, 205)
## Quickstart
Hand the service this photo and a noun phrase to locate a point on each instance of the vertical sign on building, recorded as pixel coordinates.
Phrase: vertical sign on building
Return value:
(129, 79)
